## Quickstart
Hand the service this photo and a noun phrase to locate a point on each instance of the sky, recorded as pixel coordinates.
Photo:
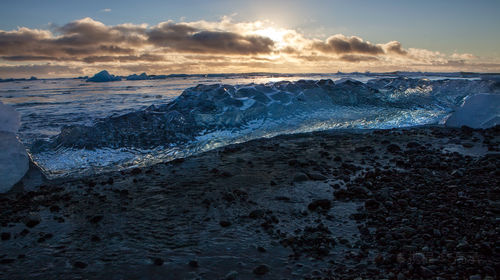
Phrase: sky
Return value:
(63, 38)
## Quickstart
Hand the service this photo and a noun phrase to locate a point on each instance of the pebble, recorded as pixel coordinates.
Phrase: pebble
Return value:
(193, 263)
(300, 177)
(158, 261)
(5, 235)
(261, 269)
(224, 223)
(80, 264)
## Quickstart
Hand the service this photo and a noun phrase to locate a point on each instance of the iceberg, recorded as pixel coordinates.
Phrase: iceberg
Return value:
(135, 77)
(14, 160)
(478, 111)
(103, 76)
(209, 116)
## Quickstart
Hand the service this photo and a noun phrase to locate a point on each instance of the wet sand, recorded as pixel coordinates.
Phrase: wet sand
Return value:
(414, 203)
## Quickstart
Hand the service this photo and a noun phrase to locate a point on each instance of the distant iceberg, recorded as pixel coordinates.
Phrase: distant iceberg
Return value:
(14, 161)
(135, 77)
(103, 76)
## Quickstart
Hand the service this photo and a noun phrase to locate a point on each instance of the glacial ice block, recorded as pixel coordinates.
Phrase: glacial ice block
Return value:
(14, 161)
(478, 111)
(103, 76)
(10, 120)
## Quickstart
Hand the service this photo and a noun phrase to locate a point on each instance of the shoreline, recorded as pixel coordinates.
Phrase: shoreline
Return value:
(403, 203)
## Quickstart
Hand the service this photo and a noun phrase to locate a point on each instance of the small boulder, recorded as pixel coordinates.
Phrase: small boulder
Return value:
(261, 269)
(320, 204)
(300, 177)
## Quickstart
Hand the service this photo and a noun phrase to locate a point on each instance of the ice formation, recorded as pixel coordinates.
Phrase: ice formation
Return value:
(478, 111)
(13, 157)
(103, 76)
(209, 116)
(135, 77)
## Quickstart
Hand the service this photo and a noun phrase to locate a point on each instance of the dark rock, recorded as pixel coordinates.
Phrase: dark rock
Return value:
(5, 235)
(255, 214)
(96, 219)
(261, 249)
(261, 269)
(79, 264)
(324, 204)
(393, 148)
(158, 261)
(300, 177)
(193, 263)
(316, 177)
(32, 221)
(467, 145)
(372, 204)
(224, 223)
(135, 171)
(6, 261)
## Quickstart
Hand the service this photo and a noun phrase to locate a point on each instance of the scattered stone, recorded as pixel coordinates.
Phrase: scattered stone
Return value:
(158, 261)
(300, 177)
(96, 219)
(393, 148)
(79, 264)
(95, 238)
(324, 204)
(5, 235)
(261, 269)
(32, 220)
(224, 223)
(6, 261)
(372, 204)
(468, 145)
(255, 214)
(316, 177)
(232, 275)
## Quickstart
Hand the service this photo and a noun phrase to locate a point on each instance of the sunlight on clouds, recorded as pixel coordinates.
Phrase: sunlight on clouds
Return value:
(87, 46)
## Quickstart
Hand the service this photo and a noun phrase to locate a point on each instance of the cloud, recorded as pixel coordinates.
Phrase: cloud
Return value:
(184, 38)
(340, 44)
(394, 47)
(87, 45)
(357, 58)
(107, 10)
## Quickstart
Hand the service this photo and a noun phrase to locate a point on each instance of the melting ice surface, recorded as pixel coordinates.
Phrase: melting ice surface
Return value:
(74, 128)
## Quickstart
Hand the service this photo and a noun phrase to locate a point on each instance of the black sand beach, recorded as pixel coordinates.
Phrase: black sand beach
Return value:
(419, 203)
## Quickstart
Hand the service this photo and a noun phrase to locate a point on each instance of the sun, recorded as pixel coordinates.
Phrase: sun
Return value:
(277, 35)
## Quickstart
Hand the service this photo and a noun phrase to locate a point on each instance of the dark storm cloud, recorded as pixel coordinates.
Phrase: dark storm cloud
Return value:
(340, 44)
(124, 58)
(37, 70)
(183, 38)
(357, 58)
(91, 41)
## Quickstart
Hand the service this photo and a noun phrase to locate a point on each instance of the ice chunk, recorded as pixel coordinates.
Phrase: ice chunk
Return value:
(135, 77)
(10, 120)
(14, 160)
(478, 111)
(103, 76)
